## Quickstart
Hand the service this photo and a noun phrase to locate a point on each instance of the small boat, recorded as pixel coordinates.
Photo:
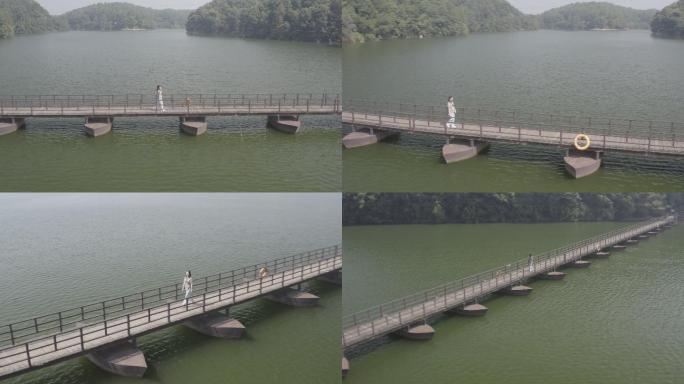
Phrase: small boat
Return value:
(462, 149)
(193, 125)
(123, 359)
(10, 124)
(284, 123)
(365, 136)
(98, 126)
(582, 163)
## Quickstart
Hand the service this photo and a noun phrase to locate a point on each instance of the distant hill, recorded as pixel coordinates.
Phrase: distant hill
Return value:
(118, 16)
(595, 15)
(670, 21)
(22, 17)
(303, 20)
(404, 19)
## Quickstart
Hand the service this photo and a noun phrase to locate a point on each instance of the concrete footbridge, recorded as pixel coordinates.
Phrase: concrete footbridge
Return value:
(409, 317)
(105, 331)
(99, 111)
(475, 128)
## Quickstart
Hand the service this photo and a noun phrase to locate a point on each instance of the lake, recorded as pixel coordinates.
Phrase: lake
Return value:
(66, 250)
(623, 310)
(614, 74)
(143, 154)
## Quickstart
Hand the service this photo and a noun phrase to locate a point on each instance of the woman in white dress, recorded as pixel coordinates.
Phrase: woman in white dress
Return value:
(187, 286)
(451, 110)
(160, 99)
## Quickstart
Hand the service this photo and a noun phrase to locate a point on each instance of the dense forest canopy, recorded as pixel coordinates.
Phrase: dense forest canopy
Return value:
(670, 21)
(24, 17)
(595, 15)
(117, 16)
(400, 19)
(304, 20)
(428, 208)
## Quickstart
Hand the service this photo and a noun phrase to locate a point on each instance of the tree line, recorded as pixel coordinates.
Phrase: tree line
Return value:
(447, 208)
(595, 15)
(670, 21)
(303, 20)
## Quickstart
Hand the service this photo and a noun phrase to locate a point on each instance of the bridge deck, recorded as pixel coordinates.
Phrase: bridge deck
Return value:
(388, 318)
(44, 350)
(508, 132)
(174, 105)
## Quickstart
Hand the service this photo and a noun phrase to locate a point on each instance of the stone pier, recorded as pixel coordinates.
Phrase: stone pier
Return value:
(98, 126)
(517, 290)
(124, 359)
(582, 163)
(284, 123)
(417, 332)
(366, 136)
(193, 125)
(334, 277)
(293, 297)
(11, 124)
(554, 275)
(471, 310)
(217, 324)
(462, 149)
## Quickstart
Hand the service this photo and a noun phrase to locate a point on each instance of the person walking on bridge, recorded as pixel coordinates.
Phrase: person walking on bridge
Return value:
(451, 110)
(530, 263)
(160, 99)
(187, 286)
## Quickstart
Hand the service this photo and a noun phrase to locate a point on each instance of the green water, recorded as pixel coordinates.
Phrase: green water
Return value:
(616, 322)
(62, 251)
(142, 154)
(624, 74)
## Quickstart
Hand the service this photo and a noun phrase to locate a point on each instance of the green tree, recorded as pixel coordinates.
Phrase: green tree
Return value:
(670, 21)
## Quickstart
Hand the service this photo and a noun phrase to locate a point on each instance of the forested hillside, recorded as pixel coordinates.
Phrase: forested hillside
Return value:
(400, 208)
(400, 19)
(117, 16)
(595, 15)
(22, 17)
(304, 20)
(670, 21)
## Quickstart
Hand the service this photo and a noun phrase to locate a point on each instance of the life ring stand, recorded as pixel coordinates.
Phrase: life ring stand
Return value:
(585, 138)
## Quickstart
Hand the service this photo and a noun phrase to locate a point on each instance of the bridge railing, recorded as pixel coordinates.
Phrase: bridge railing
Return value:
(501, 277)
(155, 299)
(63, 104)
(436, 117)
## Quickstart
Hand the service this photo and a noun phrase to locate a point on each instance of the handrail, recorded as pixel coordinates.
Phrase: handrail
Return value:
(19, 332)
(502, 277)
(122, 103)
(503, 118)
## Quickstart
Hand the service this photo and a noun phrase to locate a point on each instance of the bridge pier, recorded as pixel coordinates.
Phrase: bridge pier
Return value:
(601, 255)
(517, 290)
(193, 125)
(417, 332)
(11, 124)
(619, 247)
(123, 359)
(366, 136)
(216, 324)
(471, 310)
(457, 149)
(293, 297)
(284, 123)
(345, 367)
(97, 126)
(582, 163)
(334, 277)
(553, 275)
(580, 264)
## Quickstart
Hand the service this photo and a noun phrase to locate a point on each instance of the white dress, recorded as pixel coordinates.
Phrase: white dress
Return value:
(160, 101)
(187, 286)
(451, 110)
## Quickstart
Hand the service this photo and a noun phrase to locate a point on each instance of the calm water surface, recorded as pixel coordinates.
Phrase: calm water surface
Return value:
(236, 154)
(63, 251)
(616, 322)
(627, 74)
